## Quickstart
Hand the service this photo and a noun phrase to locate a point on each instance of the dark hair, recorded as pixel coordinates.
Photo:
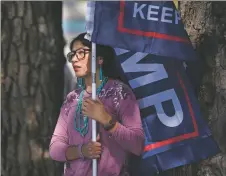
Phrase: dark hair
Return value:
(110, 66)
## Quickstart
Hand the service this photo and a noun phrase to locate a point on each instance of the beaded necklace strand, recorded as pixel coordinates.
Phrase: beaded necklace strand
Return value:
(83, 130)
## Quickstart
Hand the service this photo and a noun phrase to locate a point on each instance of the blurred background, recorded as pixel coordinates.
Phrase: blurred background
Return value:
(73, 23)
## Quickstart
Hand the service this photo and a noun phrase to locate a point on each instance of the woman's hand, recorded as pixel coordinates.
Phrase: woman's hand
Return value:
(95, 110)
(92, 150)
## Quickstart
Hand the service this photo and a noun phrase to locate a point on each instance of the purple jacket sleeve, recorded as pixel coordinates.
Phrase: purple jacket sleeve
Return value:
(129, 133)
(59, 141)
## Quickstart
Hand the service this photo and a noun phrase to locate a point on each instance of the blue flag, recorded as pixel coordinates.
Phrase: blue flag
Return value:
(174, 130)
(151, 45)
(143, 26)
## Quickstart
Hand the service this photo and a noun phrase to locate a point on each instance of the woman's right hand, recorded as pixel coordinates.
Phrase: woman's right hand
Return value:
(92, 150)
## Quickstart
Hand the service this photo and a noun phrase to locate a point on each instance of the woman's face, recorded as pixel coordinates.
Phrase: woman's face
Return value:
(81, 59)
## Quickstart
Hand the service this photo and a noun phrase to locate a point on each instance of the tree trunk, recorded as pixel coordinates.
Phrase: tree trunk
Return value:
(205, 23)
(32, 85)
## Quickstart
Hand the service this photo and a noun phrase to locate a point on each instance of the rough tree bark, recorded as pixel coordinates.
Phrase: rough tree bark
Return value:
(32, 85)
(205, 23)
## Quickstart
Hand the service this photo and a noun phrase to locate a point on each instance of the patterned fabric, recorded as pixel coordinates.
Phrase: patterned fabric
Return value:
(118, 91)
(120, 102)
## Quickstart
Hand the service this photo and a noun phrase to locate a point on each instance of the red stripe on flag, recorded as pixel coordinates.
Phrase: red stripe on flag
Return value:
(181, 137)
(121, 28)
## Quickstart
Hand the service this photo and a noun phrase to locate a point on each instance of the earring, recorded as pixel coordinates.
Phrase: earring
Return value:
(80, 83)
(100, 73)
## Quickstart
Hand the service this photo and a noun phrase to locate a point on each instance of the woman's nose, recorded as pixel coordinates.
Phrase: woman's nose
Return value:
(74, 59)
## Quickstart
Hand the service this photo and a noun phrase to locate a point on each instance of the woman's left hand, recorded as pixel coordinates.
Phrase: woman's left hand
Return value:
(95, 110)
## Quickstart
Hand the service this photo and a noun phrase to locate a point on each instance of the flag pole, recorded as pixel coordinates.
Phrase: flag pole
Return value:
(94, 129)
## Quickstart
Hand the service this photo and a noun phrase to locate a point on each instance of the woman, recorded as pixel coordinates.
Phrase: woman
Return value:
(116, 111)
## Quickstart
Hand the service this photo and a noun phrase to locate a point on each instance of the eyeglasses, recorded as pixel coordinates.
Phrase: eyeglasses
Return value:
(79, 53)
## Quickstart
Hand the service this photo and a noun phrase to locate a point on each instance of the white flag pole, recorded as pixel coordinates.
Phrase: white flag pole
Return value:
(89, 29)
(94, 126)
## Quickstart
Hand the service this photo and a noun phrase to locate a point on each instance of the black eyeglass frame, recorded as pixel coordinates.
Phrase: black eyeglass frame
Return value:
(71, 54)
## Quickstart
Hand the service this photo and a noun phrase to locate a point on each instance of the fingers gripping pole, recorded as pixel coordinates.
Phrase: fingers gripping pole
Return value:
(94, 130)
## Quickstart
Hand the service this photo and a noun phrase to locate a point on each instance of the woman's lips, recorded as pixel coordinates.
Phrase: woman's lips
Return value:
(76, 68)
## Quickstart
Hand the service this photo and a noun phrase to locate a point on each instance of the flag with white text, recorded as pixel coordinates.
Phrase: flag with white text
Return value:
(151, 46)
(175, 133)
(143, 26)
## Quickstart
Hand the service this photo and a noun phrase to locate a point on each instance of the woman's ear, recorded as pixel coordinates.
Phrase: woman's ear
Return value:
(100, 60)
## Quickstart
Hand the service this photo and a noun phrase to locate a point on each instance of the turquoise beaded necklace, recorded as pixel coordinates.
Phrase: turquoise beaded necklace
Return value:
(83, 129)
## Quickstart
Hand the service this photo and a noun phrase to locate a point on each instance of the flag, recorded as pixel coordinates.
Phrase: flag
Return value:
(152, 63)
(175, 133)
(154, 27)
